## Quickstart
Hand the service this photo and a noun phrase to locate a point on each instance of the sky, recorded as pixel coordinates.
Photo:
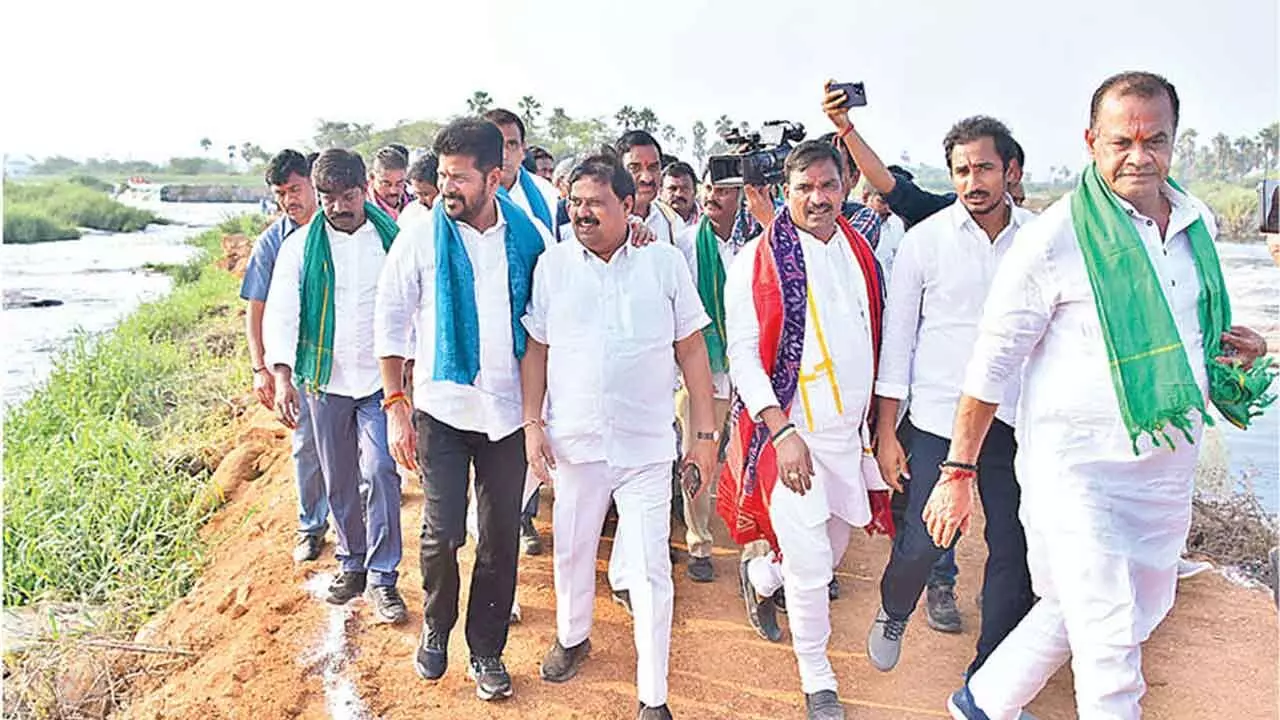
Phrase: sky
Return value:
(147, 80)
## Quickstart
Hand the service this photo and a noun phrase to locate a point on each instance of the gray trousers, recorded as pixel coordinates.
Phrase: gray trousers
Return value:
(351, 439)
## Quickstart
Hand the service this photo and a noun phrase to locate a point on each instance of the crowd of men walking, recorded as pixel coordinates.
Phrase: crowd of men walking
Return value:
(801, 362)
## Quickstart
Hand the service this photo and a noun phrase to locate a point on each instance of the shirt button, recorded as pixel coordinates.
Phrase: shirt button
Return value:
(1149, 223)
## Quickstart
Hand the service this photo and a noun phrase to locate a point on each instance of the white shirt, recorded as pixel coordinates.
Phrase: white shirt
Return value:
(414, 212)
(357, 261)
(550, 196)
(892, 231)
(1083, 488)
(610, 328)
(838, 295)
(407, 299)
(942, 272)
(687, 241)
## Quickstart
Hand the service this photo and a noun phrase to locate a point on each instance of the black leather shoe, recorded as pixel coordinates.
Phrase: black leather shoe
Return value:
(561, 663)
(308, 548)
(823, 705)
(700, 570)
(654, 713)
(345, 586)
(760, 612)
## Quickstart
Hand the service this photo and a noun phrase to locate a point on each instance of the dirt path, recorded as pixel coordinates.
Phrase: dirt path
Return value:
(275, 651)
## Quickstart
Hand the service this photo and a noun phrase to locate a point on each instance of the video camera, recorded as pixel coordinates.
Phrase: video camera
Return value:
(759, 156)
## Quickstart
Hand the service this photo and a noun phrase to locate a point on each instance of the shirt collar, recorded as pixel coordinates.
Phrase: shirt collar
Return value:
(960, 217)
(500, 223)
(1182, 212)
(621, 252)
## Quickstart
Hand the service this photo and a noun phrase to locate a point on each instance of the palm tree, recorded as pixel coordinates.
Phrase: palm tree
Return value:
(530, 108)
(699, 142)
(1221, 156)
(723, 125)
(646, 120)
(558, 125)
(1185, 152)
(626, 117)
(231, 156)
(205, 144)
(479, 103)
(1268, 139)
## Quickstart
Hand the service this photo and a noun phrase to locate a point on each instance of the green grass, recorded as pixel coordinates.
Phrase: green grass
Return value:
(102, 462)
(52, 211)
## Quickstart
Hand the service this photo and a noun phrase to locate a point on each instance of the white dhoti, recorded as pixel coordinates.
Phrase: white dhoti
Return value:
(643, 497)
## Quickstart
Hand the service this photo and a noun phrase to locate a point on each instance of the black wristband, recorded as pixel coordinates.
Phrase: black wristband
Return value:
(784, 428)
(259, 369)
(957, 465)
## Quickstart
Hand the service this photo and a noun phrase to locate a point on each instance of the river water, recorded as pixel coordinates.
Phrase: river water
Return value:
(100, 279)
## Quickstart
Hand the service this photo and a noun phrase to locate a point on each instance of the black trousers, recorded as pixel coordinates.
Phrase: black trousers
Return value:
(446, 456)
(1006, 595)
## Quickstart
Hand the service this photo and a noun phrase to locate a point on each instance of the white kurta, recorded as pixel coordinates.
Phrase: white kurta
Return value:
(829, 410)
(835, 370)
(1104, 526)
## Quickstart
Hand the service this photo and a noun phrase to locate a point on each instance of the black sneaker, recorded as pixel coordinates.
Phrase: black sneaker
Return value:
(492, 680)
(940, 610)
(780, 600)
(700, 570)
(345, 586)
(623, 598)
(823, 705)
(529, 540)
(308, 548)
(760, 612)
(654, 713)
(833, 589)
(388, 606)
(561, 663)
(433, 654)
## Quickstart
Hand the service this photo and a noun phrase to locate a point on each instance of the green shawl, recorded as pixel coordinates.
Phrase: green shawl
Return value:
(711, 278)
(1149, 365)
(314, 362)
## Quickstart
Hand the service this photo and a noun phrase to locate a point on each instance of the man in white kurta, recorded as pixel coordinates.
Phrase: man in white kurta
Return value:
(1104, 523)
(608, 323)
(827, 417)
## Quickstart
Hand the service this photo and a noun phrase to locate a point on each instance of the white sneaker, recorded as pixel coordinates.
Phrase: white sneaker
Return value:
(515, 610)
(1190, 568)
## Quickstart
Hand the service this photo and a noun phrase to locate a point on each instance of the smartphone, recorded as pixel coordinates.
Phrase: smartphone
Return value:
(1269, 207)
(691, 480)
(855, 94)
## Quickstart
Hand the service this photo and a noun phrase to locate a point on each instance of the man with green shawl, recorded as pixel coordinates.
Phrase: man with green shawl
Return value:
(709, 246)
(318, 326)
(1115, 302)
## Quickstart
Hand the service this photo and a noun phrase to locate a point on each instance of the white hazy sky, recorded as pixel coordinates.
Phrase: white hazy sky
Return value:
(147, 80)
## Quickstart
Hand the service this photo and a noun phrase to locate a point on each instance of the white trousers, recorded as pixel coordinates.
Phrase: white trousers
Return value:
(809, 555)
(643, 497)
(1089, 613)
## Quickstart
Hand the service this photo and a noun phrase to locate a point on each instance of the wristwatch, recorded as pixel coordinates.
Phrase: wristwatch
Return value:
(712, 436)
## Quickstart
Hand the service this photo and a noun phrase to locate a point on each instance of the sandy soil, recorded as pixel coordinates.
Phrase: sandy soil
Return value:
(269, 649)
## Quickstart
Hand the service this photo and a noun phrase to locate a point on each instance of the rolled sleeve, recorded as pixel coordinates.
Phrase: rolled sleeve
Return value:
(398, 298)
(1017, 312)
(745, 368)
(281, 318)
(690, 316)
(901, 320)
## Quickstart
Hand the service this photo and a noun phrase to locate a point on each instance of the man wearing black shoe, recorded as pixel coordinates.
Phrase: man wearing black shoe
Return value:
(462, 280)
(289, 176)
(609, 323)
(319, 329)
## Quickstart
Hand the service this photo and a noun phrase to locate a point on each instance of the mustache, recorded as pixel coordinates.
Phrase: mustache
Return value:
(585, 221)
(977, 195)
(821, 208)
(342, 216)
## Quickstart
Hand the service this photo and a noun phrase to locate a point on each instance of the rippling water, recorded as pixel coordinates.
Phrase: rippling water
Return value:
(100, 280)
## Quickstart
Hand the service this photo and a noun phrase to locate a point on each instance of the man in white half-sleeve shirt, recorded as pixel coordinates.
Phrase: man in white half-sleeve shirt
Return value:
(940, 281)
(608, 326)
(461, 280)
(1115, 301)
(318, 327)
